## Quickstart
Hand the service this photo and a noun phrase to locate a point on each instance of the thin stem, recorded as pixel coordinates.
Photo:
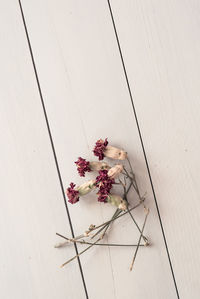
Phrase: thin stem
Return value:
(82, 235)
(107, 222)
(143, 237)
(76, 256)
(142, 200)
(130, 165)
(135, 254)
(125, 197)
(105, 226)
(126, 173)
(117, 213)
(123, 185)
(89, 243)
(129, 187)
(133, 180)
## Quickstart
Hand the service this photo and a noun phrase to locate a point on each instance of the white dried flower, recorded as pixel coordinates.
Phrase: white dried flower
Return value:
(86, 187)
(114, 153)
(115, 171)
(96, 166)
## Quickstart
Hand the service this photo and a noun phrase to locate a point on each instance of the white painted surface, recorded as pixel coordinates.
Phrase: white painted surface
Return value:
(32, 208)
(86, 97)
(161, 45)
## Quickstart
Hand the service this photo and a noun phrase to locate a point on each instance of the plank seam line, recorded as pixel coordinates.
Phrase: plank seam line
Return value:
(52, 144)
(142, 144)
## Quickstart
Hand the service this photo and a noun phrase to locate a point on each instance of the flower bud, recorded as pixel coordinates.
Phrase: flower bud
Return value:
(86, 187)
(115, 171)
(114, 153)
(96, 166)
(117, 201)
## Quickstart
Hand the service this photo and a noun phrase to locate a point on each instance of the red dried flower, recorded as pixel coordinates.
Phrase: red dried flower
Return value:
(104, 182)
(72, 194)
(103, 197)
(99, 148)
(82, 166)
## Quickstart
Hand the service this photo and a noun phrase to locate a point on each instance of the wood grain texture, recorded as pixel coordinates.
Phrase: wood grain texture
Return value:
(160, 41)
(86, 98)
(32, 206)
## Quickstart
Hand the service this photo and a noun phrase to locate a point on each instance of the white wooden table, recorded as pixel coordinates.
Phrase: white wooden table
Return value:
(74, 71)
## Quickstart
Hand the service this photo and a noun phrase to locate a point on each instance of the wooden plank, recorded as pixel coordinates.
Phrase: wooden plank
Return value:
(32, 207)
(161, 46)
(86, 98)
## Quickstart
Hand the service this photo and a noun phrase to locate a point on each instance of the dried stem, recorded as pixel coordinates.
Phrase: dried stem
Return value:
(76, 256)
(107, 222)
(130, 166)
(143, 237)
(90, 243)
(107, 225)
(133, 180)
(125, 197)
(135, 254)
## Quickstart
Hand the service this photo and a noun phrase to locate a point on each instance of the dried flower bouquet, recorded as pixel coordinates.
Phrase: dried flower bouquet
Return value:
(108, 176)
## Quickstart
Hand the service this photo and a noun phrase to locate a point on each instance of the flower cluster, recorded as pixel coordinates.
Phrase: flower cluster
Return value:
(106, 178)
(100, 147)
(72, 194)
(82, 166)
(104, 183)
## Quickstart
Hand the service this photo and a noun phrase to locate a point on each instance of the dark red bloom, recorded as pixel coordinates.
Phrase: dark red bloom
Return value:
(72, 194)
(103, 197)
(104, 183)
(99, 148)
(82, 166)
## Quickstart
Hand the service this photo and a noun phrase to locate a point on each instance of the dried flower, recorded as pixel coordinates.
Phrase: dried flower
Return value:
(72, 194)
(100, 147)
(117, 201)
(115, 171)
(104, 182)
(86, 187)
(96, 166)
(114, 153)
(82, 166)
